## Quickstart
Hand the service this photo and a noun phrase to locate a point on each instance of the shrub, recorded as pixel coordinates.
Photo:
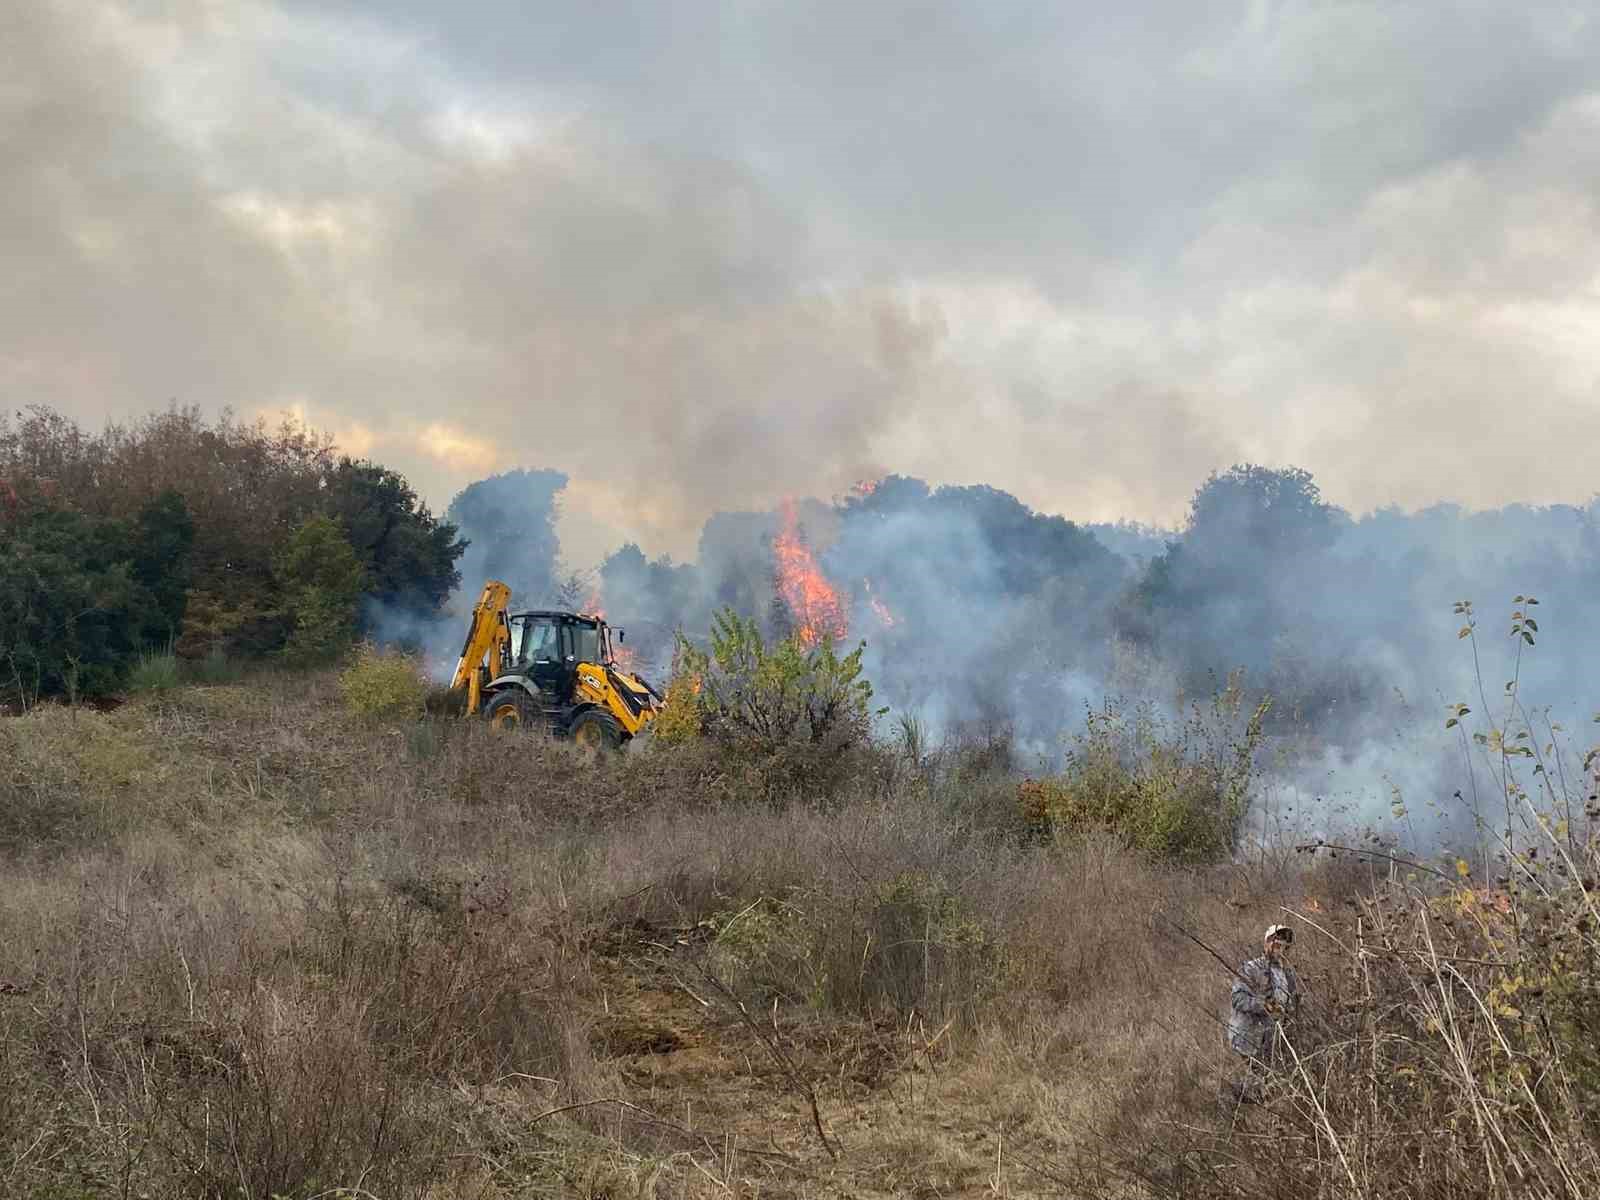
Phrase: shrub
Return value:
(442, 700)
(681, 718)
(72, 613)
(766, 696)
(792, 718)
(214, 668)
(382, 686)
(1175, 793)
(163, 537)
(1451, 1051)
(1450, 1047)
(907, 944)
(156, 671)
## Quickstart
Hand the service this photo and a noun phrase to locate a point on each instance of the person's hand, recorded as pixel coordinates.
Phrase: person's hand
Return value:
(1274, 1009)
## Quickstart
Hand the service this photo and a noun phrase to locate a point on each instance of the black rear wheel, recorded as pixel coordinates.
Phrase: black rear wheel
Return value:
(594, 731)
(510, 711)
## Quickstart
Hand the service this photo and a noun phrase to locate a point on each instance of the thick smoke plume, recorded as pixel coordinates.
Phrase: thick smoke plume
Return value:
(981, 614)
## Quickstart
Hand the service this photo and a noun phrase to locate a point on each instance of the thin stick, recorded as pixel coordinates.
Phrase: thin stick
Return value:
(1226, 965)
(1311, 1093)
(1404, 862)
(778, 1054)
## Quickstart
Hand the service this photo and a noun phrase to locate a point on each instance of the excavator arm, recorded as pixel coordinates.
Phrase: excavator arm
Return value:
(487, 634)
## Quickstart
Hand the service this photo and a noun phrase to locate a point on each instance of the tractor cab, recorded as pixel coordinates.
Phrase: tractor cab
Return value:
(547, 646)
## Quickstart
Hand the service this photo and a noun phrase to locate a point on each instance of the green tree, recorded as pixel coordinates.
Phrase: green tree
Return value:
(162, 540)
(409, 556)
(1213, 600)
(322, 581)
(1273, 513)
(73, 616)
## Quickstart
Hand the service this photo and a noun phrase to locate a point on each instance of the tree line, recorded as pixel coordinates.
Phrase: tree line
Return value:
(973, 603)
(207, 538)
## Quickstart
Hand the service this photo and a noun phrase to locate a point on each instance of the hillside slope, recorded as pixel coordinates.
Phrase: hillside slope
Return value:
(251, 947)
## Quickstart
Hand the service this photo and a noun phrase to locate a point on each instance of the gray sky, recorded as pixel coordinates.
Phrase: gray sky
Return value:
(705, 255)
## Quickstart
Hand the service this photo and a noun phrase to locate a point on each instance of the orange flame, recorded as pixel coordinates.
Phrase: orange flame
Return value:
(879, 608)
(814, 603)
(622, 656)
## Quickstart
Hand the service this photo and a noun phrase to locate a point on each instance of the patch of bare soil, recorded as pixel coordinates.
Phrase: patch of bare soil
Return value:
(898, 1118)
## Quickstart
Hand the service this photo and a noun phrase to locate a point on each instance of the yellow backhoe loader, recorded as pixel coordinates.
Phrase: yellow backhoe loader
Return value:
(550, 669)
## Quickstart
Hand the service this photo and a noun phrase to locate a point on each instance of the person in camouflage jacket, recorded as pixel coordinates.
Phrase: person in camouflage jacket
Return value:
(1265, 991)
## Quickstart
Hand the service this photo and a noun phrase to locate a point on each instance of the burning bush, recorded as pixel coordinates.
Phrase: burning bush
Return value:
(794, 706)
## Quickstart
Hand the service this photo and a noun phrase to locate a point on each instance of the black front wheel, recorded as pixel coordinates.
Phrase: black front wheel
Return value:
(509, 712)
(594, 731)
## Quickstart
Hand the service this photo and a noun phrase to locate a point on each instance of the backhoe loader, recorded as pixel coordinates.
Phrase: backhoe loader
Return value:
(550, 669)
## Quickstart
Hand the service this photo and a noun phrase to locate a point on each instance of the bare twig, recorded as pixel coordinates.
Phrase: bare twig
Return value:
(1404, 862)
(1322, 1113)
(1226, 965)
(779, 1055)
(691, 993)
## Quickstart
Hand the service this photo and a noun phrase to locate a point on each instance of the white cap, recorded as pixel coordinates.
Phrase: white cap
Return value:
(1278, 931)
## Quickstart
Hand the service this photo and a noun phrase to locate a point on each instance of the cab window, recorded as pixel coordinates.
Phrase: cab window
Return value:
(538, 641)
(585, 642)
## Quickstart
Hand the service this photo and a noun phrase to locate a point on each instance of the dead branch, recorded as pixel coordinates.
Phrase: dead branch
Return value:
(779, 1055)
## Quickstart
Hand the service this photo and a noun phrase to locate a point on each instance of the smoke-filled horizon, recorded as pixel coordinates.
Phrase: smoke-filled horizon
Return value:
(980, 614)
(704, 257)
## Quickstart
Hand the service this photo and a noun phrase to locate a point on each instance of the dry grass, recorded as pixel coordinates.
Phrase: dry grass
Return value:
(257, 950)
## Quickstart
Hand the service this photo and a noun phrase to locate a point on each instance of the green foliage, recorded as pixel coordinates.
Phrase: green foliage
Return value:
(1024, 551)
(211, 508)
(1174, 793)
(163, 538)
(1201, 604)
(766, 697)
(788, 719)
(383, 686)
(322, 580)
(156, 671)
(1275, 511)
(1461, 1007)
(409, 556)
(245, 487)
(324, 626)
(214, 624)
(911, 736)
(681, 718)
(213, 668)
(73, 617)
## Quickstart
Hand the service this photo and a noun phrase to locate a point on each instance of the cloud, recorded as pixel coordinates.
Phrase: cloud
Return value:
(702, 257)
